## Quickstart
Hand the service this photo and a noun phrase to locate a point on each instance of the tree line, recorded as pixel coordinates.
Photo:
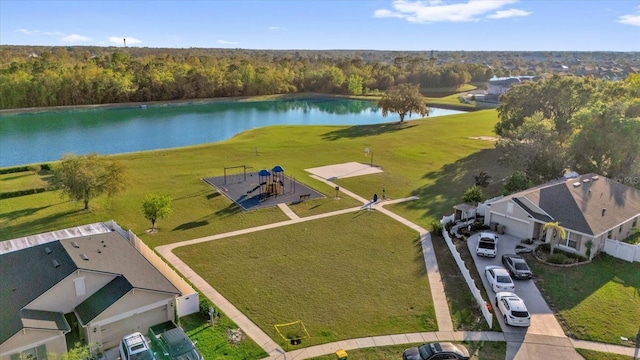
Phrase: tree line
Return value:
(58, 77)
(567, 122)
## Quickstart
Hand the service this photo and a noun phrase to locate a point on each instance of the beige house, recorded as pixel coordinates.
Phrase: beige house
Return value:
(95, 287)
(588, 207)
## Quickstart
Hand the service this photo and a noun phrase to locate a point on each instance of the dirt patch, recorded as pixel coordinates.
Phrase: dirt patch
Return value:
(485, 138)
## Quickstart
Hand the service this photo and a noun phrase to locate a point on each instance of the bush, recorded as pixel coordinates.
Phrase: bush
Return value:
(17, 169)
(436, 227)
(34, 168)
(559, 258)
(205, 304)
(13, 194)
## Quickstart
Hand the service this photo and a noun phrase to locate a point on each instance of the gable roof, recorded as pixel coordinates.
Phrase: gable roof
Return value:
(42, 275)
(590, 204)
(95, 304)
(47, 320)
(105, 252)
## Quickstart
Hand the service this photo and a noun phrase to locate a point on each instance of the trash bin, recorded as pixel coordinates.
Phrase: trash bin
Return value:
(493, 226)
(501, 229)
(341, 355)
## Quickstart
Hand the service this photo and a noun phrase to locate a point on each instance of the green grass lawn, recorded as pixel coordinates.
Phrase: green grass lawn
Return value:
(23, 181)
(597, 355)
(599, 301)
(486, 350)
(348, 276)
(212, 340)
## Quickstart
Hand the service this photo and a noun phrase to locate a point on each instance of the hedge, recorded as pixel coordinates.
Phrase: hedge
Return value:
(12, 194)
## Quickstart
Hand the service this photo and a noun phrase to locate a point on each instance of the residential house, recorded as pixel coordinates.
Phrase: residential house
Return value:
(589, 207)
(95, 288)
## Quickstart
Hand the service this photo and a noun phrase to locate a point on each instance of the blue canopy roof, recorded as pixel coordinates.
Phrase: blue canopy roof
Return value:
(264, 172)
(277, 169)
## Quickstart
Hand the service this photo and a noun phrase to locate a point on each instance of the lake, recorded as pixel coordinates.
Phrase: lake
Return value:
(45, 136)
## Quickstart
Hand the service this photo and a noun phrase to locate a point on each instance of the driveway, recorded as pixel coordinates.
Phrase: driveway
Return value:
(543, 321)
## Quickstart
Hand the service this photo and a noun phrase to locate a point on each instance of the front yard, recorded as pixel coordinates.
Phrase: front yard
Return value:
(599, 301)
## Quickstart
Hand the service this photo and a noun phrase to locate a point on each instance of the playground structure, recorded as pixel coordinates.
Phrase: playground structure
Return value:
(271, 183)
(264, 188)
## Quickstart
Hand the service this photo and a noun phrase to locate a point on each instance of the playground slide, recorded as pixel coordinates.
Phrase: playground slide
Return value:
(254, 189)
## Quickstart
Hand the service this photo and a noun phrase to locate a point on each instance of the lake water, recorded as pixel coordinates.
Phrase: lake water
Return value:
(46, 136)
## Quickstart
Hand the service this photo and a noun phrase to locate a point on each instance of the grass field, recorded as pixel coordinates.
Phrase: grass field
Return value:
(597, 355)
(348, 276)
(24, 180)
(599, 301)
(478, 350)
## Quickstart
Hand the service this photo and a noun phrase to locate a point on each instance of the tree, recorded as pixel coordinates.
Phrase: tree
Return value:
(534, 148)
(473, 195)
(156, 207)
(87, 176)
(482, 179)
(403, 99)
(518, 181)
(558, 232)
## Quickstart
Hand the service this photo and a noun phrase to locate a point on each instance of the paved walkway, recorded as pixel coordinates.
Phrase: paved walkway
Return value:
(441, 306)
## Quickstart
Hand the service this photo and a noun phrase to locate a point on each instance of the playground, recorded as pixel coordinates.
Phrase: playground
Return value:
(260, 189)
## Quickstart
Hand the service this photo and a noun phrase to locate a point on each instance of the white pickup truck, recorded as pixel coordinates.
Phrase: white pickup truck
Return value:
(487, 245)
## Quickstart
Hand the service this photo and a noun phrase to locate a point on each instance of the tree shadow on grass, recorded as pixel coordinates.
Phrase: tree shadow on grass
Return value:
(38, 225)
(444, 187)
(191, 225)
(14, 177)
(365, 130)
(13, 215)
(230, 210)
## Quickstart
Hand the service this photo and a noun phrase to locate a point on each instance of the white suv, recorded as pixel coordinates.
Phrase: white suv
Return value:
(513, 309)
(134, 347)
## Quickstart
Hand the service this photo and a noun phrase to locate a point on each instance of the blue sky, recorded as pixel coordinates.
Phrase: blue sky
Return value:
(527, 25)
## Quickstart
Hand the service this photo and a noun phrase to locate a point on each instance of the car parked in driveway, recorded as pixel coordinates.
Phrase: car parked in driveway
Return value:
(516, 266)
(438, 350)
(513, 309)
(499, 278)
(487, 245)
(135, 347)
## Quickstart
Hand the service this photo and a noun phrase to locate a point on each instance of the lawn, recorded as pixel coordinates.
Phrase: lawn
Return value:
(599, 301)
(348, 276)
(23, 180)
(485, 350)
(212, 340)
(597, 355)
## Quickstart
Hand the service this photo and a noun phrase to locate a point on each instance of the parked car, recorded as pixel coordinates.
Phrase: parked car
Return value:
(499, 278)
(516, 266)
(172, 343)
(513, 309)
(487, 245)
(134, 347)
(433, 351)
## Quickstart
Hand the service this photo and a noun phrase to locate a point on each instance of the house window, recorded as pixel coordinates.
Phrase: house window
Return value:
(609, 234)
(620, 229)
(572, 240)
(79, 283)
(36, 353)
(510, 208)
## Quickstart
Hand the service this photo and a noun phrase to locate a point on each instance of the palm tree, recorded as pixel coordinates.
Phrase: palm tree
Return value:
(560, 231)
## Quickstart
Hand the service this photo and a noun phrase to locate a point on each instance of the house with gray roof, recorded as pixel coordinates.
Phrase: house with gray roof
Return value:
(98, 287)
(589, 207)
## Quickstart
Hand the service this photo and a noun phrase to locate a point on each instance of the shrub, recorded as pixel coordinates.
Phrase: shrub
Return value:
(13, 194)
(559, 258)
(436, 227)
(34, 168)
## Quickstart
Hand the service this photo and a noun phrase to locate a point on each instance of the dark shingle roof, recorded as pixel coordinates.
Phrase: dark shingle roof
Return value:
(535, 215)
(580, 207)
(102, 299)
(26, 274)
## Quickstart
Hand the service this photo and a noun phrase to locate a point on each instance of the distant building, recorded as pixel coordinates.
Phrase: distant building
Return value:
(500, 85)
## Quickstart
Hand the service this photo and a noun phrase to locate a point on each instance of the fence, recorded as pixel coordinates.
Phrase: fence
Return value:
(484, 306)
(189, 300)
(622, 250)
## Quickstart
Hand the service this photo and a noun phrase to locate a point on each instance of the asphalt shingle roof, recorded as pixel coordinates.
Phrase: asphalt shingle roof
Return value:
(95, 304)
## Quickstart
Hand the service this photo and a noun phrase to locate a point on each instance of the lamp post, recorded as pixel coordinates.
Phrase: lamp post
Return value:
(369, 152)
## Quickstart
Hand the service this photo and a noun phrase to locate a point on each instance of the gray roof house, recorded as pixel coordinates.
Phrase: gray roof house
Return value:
(588, 207)
(98, 287)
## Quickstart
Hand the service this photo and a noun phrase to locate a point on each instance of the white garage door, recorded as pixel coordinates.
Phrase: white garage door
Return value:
(512, 227)
(113, 333)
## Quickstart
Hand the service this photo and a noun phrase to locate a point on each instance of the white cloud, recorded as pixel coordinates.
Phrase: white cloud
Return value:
(225, 42)
(54, 33)
(120, 40)
(441, 11)
(630, 19)
(76, 38)
(26, 32)
(277, 28)
(504, 14)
